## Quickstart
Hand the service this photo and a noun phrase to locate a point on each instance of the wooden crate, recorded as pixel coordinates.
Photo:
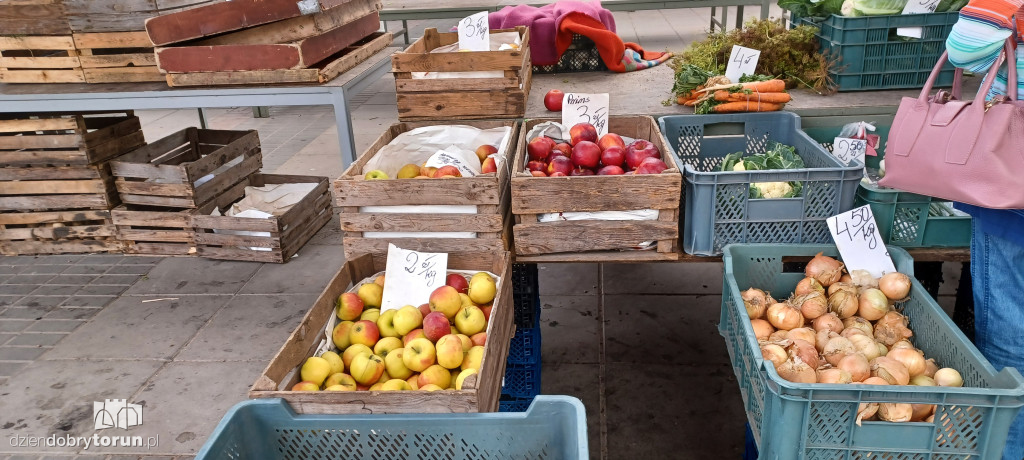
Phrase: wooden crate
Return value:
(165, 172)
(287, 233)
(117, 57)
(39, 59)
(597, 240)
(489, 192)
(91, 16)
(282, 372)
(33, 17)
(57, 232)
(461, 98)
(151, 230)
(55, 188)
(67, 139)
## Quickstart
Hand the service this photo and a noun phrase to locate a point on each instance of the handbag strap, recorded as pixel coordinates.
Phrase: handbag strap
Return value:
(1006, 53)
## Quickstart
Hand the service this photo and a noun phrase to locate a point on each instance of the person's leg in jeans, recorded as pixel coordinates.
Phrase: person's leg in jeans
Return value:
(998, 314)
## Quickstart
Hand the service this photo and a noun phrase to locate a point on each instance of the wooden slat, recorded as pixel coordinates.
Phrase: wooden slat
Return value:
(38, 124)
(41, 141)
(27, 218)
(112, 129)
(137, 39)
(168, 236)
(53, 233)
(153, 188)
(225, 180)
(142, 61)
(124, 216)
(245, 241)
(579, 236)
(151, 200)
(33, 19)
(29, 203)
(15, 42)
(274, 255)
(603, 193)
(45, 62)
(455, 191)
(52, 187)
(398, 222)
(355, 246)
(19, 248)
(241, 143)
(158, 248)
(607, 257)
(296, 28)
(116, 146)
(467, 84)
(412, 61)
(453, 103)
(152, 151)
(50, 173)
(123, 75)
(42, 76)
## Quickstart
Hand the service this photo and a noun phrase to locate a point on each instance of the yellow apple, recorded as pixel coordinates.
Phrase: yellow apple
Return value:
(445, 299)
(337, 364)
(352, 351)
(470, 320)
(386, 324)
(465, 299)
(395, 364)
(342, 380)
(396, 385)
(379, 280)
(367, 369)
(419, 354)
(371, 314)
(474, 357)
(413, 335)
(482, 288)
(407, 319)
(376, 387)
(306, 386)
(408, 171)
(467, 341)
(451, 383)
(414, 381)
(430, 387)
(449, 351)
(376, 174)
(340, 335)
(436, 375)
(371, 294)
(338, 388)
(315, 369)
(462, 377)
(364, 332)
(348, 307)
(386, 345)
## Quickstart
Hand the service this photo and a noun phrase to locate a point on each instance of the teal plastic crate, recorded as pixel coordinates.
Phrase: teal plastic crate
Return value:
(915, 221)
(817, 421)
(553, 427)
(716, 206)
(824, 130)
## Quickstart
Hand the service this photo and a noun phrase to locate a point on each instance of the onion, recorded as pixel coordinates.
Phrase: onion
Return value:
(828, 322)
(874, 381)
(843, 304)
(948, 377)
(882, 350)
(797, 371)
(812, 305)
(857, 365)
(863, 279)
(930, 419)
(762, 328)
(755, 301)
(859, 323)
(822, 338)
(890, 370)
(903, 344)
(852, 332)
(807, 286)
(923, 381)
(873, 304)
(850, 287)
(774, 353)
(865, 345)
(845, 278)
(895, 412)
(805, 351)
(867, 410)
(930, 367)
(895, 285)
(836, 349)
(778, 335)
(833, 375)
(912, 359)
(785, 316)
(803, 333)
(892, 328)
(921, 411)
(824, 269)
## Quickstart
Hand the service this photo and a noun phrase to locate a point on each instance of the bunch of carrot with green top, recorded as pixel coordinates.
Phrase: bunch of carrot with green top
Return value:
(763, 94)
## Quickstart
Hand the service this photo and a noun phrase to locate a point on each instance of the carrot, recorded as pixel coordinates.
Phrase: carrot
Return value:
(769, 86)
(746, 106)
(776, 98)
(691, 102)
(681, 100)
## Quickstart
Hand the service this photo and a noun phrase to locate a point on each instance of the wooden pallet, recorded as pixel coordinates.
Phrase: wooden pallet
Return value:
(597, 240)
(39, 59)
(286, 233)
(489, 192)
(117, 57)
(67, 139)
(479, 394)
(156, 231)
(90, 16)
(322, 72)
(461, 98)
(33, 17)
(165, 172)
(57, 232)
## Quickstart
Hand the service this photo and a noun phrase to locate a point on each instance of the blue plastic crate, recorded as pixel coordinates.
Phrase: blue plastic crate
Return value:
(524, 347)
(268, 429)
(717, 207)
(791, 420)
(521, 380)
(510, 404)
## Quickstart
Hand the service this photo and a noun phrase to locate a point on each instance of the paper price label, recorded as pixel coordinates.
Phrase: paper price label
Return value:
(916, 7)
(847, 150)
(467, 162)
(856, 235)
(411, 276)
(742, 61)
(586, 108)
(474, 33)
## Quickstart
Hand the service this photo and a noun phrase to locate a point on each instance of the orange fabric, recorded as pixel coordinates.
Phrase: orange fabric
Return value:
(609, 45)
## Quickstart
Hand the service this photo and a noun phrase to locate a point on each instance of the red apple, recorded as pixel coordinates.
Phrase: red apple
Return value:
(553, 100)
(448, 171)
(613, 156)
(582, 132)
(611, 140)
(536, 166)
(458, 282)
(582, 172)
(487, 311)
(586, 154)
(436, 325)
(638, 150)
(489, 166)
(484, 150)
(560, 165)
(424, 309)
(610, 170)
(539, 148)
(651, 166)
(557, 174)
(558, 153)
(538, 174)
(564, 148)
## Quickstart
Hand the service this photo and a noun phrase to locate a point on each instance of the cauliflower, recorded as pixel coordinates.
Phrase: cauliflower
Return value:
(739, 167)
(773, 189)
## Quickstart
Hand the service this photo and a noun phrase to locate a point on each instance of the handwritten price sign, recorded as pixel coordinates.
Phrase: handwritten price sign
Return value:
(856, 235)
(474, 33)
(742, 61)
(586, 108)
(411, 276)
(848, 150)
(916, 7)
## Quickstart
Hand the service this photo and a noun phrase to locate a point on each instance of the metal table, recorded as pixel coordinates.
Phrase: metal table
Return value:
(133, 96)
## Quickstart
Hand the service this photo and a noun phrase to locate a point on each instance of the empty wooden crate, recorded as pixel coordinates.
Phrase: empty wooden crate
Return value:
(151, 230)
(57, 232)
(116, 57)
(188, 168)
(39, 59)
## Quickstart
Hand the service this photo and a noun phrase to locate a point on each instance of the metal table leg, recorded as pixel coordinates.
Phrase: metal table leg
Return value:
(346, 141)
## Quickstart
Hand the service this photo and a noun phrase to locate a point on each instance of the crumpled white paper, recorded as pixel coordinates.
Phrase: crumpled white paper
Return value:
(498, 40)
(417, 146)
(263, 203)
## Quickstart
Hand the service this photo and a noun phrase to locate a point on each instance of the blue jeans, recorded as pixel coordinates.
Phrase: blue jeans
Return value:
(998, 314)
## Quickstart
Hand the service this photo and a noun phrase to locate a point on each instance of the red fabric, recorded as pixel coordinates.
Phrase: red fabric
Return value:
(608, 43)
(543, 23)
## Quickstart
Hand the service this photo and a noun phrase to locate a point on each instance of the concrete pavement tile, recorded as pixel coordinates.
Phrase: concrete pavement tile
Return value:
(570, 329)
(5, 337)
(90, 457)
(21, 353)
(29, 279)
(670, 329)
(86, 269)
(26, 312)
(141, 260)
(699, 411)
(120, 280)
(88, 301)
(8, 299)
(19, 290)
(14, 325)
(60, 259)
(48, 397)
(9, 369)
(581, 381)
(18, 260)
(695, 278)
(330, 234)
(23, 457)
(78, 280)
(306, 274)
(129, 269)
(36, 339)
(54, 325)
(101, 259)
(57, 289)
(42, 300)
(44, 269)
(100, 289)
(567, 279)
(249, 328)
(12, 269)
(195, 276)
(130, 328)
(73, 313)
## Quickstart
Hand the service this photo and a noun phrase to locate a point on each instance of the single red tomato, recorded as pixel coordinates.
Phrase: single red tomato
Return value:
(553, 100)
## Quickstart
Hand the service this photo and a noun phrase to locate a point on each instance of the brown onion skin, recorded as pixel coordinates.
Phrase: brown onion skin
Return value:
(756, 302)
(912, 359)
(802, 333)
(890, 370)
(783, 316)
(805, 351)
(896, 286)
(872, 304)
(797, 372)
(824, 269)
(774, 353)
(762, 329)
(807, 286)
(843, 304)
(829, 322)
(857, 365)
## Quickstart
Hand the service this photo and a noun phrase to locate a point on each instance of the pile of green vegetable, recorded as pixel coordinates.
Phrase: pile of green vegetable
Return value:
(824, 8)
(778, 156)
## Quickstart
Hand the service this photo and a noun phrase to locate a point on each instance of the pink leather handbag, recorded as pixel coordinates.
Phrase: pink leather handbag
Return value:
(966, 151)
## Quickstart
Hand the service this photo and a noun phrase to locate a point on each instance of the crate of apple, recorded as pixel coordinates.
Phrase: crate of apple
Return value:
(436, 346)
(585, 154)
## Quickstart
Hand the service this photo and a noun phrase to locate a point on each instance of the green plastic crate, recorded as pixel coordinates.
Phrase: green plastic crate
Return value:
(914, 221)
(817, 421)
(824, 130)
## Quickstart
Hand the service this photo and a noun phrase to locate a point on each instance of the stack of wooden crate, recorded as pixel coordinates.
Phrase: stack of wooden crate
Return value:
(266, 41)
(56, 189)
(36, 45)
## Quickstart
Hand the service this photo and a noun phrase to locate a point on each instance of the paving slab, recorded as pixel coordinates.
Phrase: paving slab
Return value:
(9, 353)
(41, 301)
(570, 329)
(72, 313)
(88, 301)
(54, 325)
(306, 274)
(176, 275)
(26, 312)
(57, 289)
(567, 279)
(131, 328)
(35, 339)
(581, 381)
(655, 329)
(689, 278)
(249, 328)
(6, 300)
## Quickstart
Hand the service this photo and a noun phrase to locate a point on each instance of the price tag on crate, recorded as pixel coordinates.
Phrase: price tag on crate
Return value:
(742, 61)
(847, 149)
(856, 235)
(411, 276)
(586, 108)
(916, 7)
(474, 33)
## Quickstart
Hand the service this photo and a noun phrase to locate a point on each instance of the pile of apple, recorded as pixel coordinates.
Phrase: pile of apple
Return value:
(412, 171)
(431, 347)
(586, 155)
